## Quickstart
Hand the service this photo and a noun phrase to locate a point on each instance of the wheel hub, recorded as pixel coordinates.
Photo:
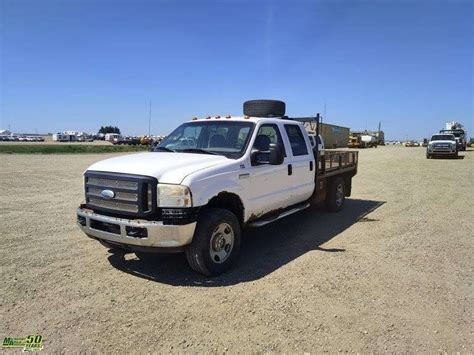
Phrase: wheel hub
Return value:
(222, 242)
(219, 243)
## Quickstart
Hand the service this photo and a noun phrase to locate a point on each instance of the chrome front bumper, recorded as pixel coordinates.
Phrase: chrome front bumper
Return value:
(158, 234)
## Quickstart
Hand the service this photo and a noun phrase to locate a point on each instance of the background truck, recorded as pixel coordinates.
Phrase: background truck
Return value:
(369, 140)
(242, 172)
(442, 144)
(355, 141)
(457, 130)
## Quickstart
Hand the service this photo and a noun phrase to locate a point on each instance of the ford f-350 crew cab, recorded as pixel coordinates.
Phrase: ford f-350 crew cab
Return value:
(240, 172)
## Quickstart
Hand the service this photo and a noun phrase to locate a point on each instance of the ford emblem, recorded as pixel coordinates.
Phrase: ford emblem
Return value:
(107, 194)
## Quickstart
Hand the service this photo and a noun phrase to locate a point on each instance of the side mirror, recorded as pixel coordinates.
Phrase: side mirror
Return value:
(273, 156)
(276, 154)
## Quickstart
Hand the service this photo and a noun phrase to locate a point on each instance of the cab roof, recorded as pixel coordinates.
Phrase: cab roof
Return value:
(242, 119)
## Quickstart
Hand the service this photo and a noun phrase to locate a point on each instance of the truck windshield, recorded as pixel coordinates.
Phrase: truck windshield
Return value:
(442, 137)
(209, 137)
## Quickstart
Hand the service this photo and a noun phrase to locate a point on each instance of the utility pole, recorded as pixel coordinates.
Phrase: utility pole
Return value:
(149, 122)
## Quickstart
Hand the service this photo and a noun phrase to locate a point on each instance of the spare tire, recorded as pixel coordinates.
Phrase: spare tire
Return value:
(264, 108)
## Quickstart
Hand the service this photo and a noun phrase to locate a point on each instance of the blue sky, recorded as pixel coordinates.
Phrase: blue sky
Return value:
(82, 64)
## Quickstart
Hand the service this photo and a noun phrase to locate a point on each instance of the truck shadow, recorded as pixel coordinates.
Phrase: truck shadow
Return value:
(263, 250)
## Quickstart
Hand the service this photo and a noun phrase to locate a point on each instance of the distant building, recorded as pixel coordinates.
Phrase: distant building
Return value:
(333, 136)
(5, 132)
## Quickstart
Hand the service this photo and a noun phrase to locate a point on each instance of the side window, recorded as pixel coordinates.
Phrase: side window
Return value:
(266, 134)
(298, 144)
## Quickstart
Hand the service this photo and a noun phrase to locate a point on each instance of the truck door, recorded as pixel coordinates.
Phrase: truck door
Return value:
(302, 165)
(268, 185)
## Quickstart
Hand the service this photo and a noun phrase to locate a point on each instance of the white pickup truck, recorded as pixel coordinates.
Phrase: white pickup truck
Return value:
(242, 172)
(442, 144)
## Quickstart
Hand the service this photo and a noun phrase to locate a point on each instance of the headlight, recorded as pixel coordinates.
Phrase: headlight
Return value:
(430, 145)
(168, 195)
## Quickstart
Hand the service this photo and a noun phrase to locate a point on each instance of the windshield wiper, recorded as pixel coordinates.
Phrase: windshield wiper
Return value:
(197, 150)
(163, 149)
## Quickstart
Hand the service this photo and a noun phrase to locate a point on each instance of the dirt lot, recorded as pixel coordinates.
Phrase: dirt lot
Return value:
(392, 272)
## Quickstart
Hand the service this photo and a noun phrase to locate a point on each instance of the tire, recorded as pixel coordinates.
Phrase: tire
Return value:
(428, 156)
(334, 200)
(264, 108)
(208, 254)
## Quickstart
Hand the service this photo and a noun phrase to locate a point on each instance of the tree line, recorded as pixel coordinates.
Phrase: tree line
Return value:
(109, 129)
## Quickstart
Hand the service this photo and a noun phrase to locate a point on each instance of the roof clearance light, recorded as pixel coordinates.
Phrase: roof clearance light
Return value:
(228, 116)
(217, 117)
(208, 117)
(246, 117)
(195, 118)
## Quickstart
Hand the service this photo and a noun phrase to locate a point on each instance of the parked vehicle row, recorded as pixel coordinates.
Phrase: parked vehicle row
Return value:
(13, 138)
(130, 140)
(411, 144)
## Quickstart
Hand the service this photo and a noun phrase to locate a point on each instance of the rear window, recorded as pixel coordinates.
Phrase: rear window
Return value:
(297, 142)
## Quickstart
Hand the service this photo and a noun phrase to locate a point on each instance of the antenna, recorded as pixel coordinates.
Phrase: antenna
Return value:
(149, 122)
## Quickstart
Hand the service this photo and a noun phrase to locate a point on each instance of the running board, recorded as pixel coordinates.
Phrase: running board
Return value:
(282, 215)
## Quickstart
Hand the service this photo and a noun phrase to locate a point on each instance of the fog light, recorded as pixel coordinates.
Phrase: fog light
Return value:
(81, 220)
(136, 232)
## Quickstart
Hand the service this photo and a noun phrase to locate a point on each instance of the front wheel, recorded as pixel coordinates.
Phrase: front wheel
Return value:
(216, 242)
(336, 195)
(428, 156)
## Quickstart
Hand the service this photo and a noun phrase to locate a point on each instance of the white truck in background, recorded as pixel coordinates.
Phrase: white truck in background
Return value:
(241, 172)
(442, 144)
(369, 140)
(459, 133)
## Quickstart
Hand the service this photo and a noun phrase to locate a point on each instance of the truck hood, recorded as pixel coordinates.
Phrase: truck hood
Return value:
(169, 168)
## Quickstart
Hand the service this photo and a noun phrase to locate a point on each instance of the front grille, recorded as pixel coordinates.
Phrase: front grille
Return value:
(129, 195)
(442, 147)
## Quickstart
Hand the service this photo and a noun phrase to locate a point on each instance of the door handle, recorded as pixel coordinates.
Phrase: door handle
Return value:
(311, 165)
(290, 169)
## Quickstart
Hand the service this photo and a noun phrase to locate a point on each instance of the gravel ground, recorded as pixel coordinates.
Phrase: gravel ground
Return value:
(391, 272)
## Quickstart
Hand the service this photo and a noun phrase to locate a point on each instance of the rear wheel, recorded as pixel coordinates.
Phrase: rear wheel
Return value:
(336, 195)
(216, 242)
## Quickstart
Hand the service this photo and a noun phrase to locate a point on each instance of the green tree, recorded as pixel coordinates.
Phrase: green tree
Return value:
(109, 129)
